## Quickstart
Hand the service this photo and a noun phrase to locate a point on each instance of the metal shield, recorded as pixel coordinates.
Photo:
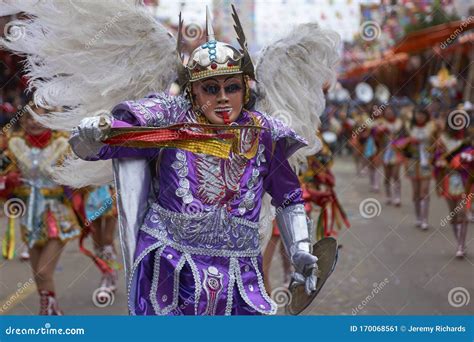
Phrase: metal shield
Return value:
(326, 251)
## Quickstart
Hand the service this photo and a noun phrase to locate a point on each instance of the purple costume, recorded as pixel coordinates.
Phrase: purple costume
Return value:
(197, 250)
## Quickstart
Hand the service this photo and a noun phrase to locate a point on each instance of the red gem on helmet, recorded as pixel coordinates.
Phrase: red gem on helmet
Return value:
(213, 66)
(230, 64)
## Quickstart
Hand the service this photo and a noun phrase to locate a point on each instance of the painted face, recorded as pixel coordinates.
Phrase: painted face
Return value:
(220, 98)
(420, 118)
(31, 126)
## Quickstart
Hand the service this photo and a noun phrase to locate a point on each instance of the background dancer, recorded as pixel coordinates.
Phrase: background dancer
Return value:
(49, 221)
(101, 214)
(391, 129)
(418, 148)
(453, 164)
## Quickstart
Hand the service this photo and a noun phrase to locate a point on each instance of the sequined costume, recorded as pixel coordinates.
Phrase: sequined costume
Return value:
(198, 249)
(418, 148)
(48, 211)
(318, 184)
(390, 131)
(191, 191)
(454, 163)
(452, 180)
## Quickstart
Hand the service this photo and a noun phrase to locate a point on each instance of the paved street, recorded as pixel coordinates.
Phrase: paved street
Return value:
(386, 266)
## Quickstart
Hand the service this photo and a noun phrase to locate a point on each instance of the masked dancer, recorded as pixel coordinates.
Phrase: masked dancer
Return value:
(191, 169)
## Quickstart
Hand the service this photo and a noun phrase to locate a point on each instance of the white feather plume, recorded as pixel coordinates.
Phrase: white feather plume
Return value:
(88, 56)
(100, 169)
(291, 75)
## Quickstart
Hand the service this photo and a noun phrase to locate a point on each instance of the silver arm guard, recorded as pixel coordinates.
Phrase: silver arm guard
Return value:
(295, 235)
(294, 231)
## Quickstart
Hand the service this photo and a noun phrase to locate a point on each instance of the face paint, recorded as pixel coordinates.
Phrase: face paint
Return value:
(225, 117)
(220, 98)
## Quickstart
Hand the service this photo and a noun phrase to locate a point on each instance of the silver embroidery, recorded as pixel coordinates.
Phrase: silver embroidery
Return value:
(230, 286)
(219, 180)
(131, 306)
(198, 250)
(197, 282)
(167, 309)
(216, 231)
(248, 203)
(152, 118)
(155, 279)
(211, 186)
(261, 286)
(168, 109)
(181, 166)
(247, 300)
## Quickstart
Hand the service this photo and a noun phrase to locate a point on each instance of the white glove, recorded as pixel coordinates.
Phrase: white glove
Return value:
(86, 139)
(94, 129)
(306, 268)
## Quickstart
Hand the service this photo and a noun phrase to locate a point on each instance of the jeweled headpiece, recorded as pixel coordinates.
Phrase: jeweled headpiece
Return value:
(215, 58)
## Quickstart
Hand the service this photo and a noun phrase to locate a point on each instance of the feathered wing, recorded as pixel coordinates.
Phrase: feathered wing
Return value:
(87, 56)
(291, 75)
